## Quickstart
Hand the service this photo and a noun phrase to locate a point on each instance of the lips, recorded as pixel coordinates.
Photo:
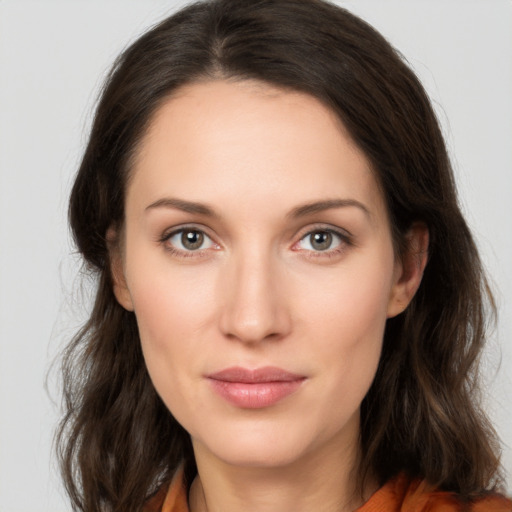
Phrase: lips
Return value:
(255, 389)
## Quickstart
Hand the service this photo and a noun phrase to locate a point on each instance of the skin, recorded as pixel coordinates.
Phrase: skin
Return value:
(258, 291)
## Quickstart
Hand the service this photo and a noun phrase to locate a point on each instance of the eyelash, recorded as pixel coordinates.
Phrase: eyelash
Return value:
(345, 239)
(164, 239)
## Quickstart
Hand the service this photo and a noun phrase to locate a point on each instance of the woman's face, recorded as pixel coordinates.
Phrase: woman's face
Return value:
(258, 260)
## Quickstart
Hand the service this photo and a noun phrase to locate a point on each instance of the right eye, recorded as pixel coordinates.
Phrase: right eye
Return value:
(189, 240)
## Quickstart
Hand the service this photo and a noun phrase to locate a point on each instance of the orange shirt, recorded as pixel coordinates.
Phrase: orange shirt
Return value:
(399, 495)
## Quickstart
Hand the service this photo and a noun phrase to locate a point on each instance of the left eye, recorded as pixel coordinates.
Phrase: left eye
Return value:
(190, 240)
(321, 240)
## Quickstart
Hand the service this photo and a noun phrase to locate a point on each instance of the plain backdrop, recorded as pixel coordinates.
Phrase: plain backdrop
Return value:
(53, 57)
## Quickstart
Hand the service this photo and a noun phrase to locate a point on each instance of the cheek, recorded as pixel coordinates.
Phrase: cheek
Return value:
(173, 313)
(351, 344)
(346, 318)
(169, 302)
(351, 304)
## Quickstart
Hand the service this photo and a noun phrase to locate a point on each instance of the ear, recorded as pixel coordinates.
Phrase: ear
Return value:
(409, 269)
(120, 288)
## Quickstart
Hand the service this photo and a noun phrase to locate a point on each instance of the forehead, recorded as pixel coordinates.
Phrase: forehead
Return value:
(214, 140)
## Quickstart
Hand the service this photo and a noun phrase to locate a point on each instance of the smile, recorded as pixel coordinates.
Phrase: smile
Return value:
(255, 389)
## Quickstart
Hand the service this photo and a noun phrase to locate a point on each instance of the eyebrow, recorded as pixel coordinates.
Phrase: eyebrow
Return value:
(299, 211)
(328, 204)
(185, 206)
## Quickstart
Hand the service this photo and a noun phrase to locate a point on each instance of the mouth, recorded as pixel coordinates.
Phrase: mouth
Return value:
(255, 389)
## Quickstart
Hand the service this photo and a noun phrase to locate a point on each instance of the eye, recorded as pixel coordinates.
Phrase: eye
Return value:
(321, 240)
(189, 240)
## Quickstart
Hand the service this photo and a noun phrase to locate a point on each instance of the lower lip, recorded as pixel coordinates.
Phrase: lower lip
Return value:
(255, 395)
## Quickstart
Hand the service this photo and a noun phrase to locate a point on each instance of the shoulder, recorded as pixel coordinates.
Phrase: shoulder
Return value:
(402, 494)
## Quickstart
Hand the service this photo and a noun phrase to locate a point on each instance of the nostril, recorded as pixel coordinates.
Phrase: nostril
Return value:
(255, 325)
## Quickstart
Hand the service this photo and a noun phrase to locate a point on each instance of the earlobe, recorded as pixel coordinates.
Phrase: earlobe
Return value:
(120, 288)
(409, 270)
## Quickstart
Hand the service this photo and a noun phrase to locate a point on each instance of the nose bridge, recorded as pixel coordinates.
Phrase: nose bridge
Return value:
(254, 308)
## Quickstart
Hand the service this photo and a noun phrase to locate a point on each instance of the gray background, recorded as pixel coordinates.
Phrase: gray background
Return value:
(53, 56)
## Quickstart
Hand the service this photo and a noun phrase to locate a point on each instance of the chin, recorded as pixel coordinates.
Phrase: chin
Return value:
(256, 445)
(259, 456)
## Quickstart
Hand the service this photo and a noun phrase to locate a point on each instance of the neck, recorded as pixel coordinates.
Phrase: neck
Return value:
(323, 481)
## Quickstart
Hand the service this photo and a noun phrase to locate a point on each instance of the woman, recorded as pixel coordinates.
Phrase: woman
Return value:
(290, 306)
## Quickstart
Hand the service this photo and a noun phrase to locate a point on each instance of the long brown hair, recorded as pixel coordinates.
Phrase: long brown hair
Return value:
(118, 442)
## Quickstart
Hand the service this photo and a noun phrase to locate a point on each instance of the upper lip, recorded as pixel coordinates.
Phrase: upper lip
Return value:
(258, 375)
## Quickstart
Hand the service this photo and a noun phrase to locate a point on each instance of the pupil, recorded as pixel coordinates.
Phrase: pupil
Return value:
(192, 240)
(321, 240)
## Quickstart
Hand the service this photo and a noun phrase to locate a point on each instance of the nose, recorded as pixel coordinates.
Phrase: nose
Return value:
(255, 306)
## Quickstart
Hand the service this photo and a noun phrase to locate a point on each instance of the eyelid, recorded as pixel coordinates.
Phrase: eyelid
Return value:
(313, 228)
(167, 233)
(171, 232)
(346, 239)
